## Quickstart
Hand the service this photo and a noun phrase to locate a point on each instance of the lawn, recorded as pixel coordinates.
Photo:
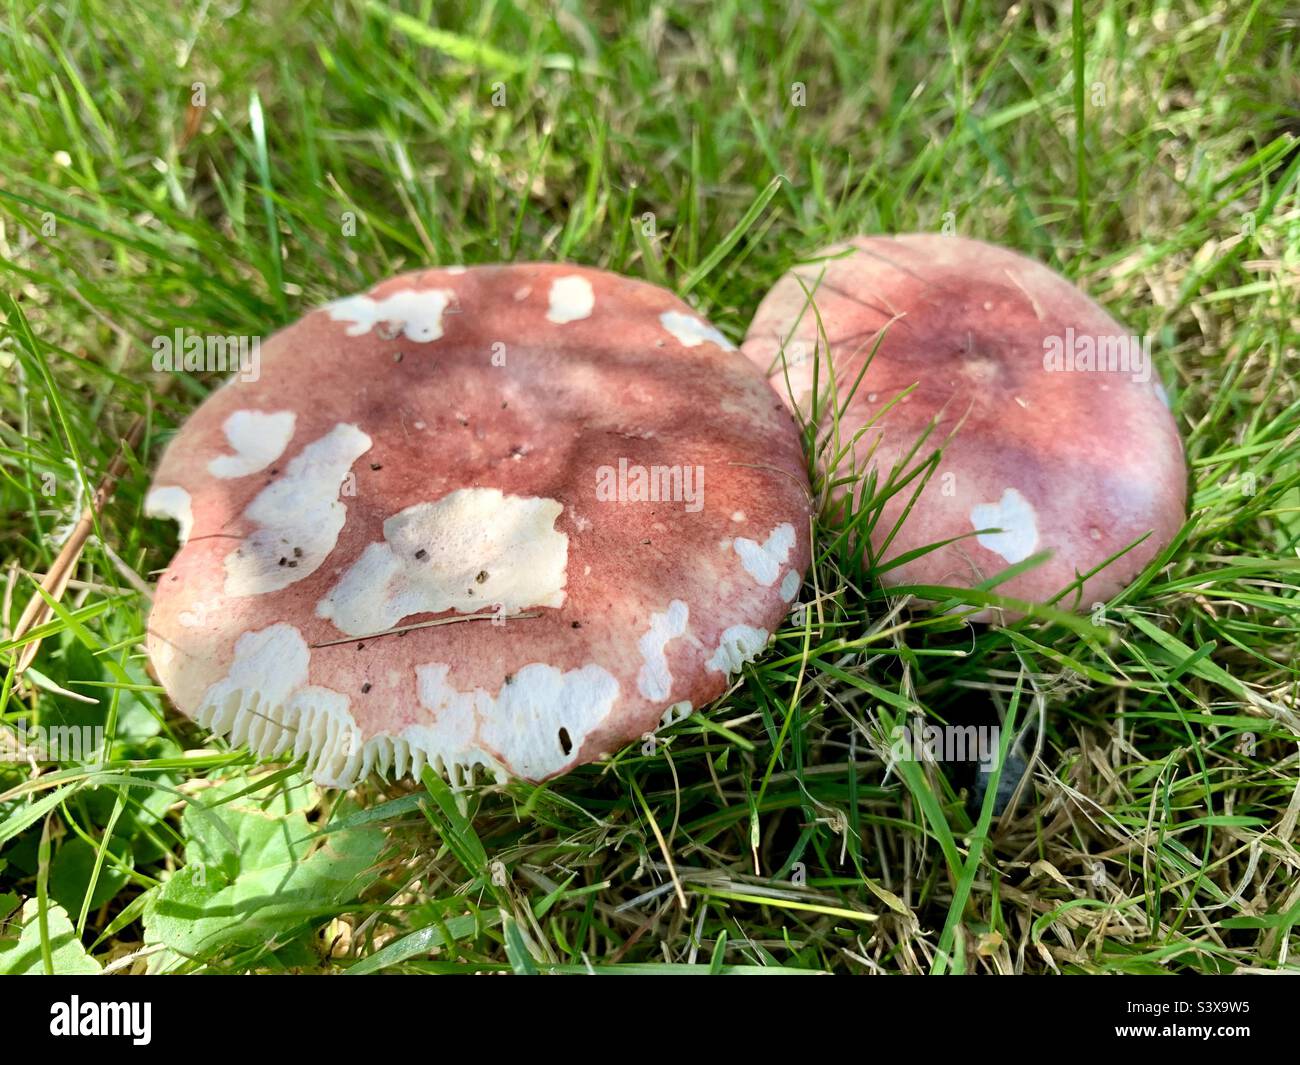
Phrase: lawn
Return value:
(222, 168)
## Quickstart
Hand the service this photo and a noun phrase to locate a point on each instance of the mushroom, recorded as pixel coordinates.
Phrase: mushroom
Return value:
(506, 518)
(1057, 437)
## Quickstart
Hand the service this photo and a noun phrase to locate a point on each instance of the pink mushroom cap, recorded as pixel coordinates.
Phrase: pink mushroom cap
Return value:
(1056, 434)
(599, 504)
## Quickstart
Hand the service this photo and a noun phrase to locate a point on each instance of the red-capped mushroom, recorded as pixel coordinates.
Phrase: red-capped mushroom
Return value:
(505, 517)
(1057, 434)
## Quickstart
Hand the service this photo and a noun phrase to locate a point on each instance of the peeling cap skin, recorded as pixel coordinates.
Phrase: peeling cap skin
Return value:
(599, 504)
(1042, 453)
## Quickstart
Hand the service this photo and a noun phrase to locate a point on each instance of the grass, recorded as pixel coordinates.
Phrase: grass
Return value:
(162, 168)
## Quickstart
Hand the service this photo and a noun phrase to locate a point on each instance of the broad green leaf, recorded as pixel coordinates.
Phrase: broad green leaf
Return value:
(21, 956)
(280, 877)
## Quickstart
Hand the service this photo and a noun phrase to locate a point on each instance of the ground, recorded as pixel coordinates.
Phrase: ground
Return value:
(222, 168)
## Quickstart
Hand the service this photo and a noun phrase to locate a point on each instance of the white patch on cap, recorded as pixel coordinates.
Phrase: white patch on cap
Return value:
(473, 549)
(268, 666)
(691, 332)
(298, 516)
(451, 739)
(418, 311)
(654, 681)
(571, 299)
(535, 724)
(675, 713)
(173, 503)
(536, 705)
(265, 703)
(790, 585)
(1015, 516)
(739, 644)
(1164, 396)
(763, 561)
(258, 438)
(162, 655)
